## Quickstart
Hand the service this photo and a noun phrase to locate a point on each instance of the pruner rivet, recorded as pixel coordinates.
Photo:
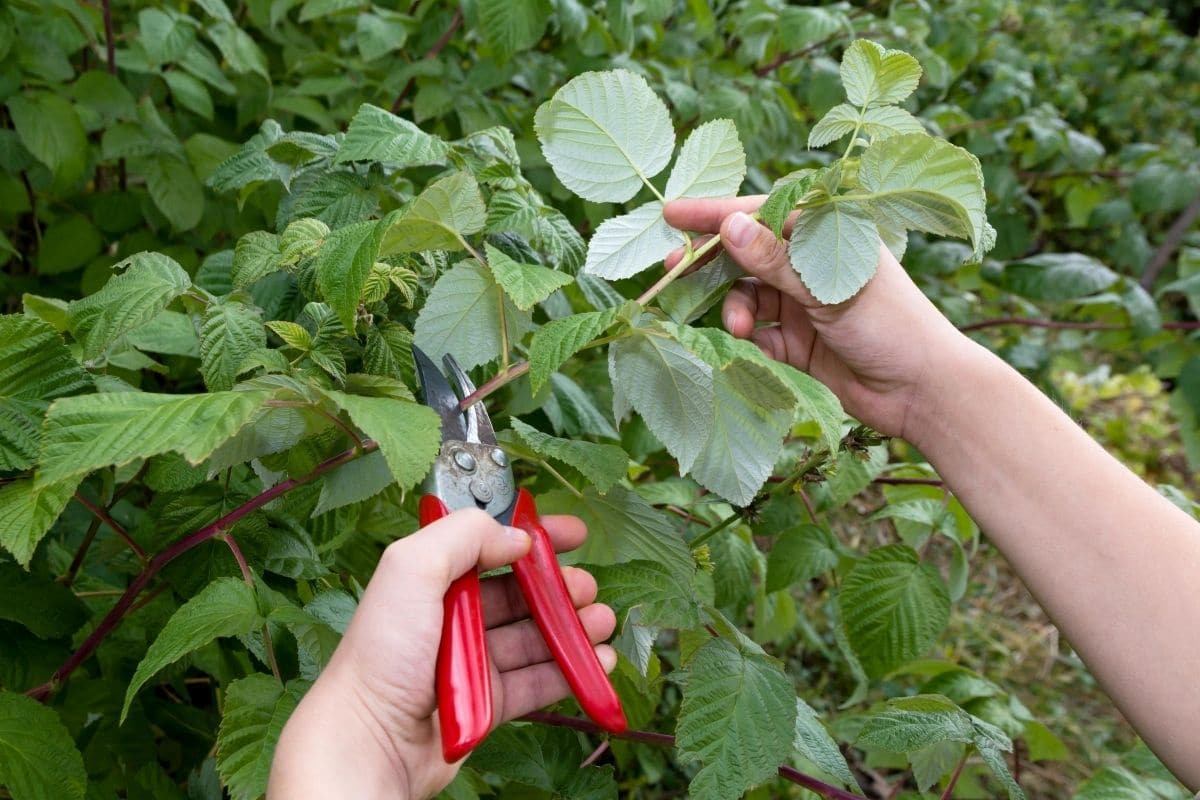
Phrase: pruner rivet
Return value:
(464, 460)
(499, 457)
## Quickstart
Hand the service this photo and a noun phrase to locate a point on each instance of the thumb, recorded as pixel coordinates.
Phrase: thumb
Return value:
(457, 543)
(757, 251)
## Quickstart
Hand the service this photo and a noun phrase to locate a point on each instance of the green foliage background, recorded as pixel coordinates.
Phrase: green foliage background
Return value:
(261, 262)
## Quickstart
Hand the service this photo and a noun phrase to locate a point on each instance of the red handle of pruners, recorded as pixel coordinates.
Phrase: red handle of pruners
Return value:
(464, 677)
(545, 591)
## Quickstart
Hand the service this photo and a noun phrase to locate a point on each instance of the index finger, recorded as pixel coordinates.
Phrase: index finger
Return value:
(706, 215)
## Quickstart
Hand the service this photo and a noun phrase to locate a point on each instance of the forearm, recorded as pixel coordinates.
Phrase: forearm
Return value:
(1116, 566)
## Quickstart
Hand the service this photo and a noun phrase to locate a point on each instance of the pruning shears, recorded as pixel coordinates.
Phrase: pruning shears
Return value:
(472, 471)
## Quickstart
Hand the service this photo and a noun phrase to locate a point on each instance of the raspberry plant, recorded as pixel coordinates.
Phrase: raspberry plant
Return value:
(207, 427)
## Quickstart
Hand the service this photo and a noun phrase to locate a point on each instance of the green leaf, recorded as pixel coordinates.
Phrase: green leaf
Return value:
(408, 434)
(35, 363)
(878, 123)
(686, 299)
(625, 245)
(874, 76)
(544, 227)
(669, 387)
(1115, 783)
(927, 184)
(229, 333)
(20, 433)
(293, 334)
(544, 758)
(389, 351)
(525, 284)
(239, 49)
(165, 37)
(462, 316)
(190, 93)
(49, 127)
(785, 194)
(377, 135)
(47, 608)
(1054, 276)
(559, 339)
(930, 764)
(908, 724)
(67, 245)
(226, 607)
(255, 256)
(448, 210)
(894, 608)
(85, 433)
(380, 33)
(301, 240)
(602, 464)
(835, 249)
(512, 26)
(170, 332)
(992, 743)
(130, 299)
(751, 414)
(812, 741)
(711, 163)
(801, 554)
(624, 527)
(737, 718)
(605, 134)
(663, 599)
(256, 708)
(342, 266)
(814, 402)
(27, 512)
(38, 758)
(174, 188)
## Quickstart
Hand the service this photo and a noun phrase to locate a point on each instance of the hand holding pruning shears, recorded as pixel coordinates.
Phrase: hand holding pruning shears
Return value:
(369, 726)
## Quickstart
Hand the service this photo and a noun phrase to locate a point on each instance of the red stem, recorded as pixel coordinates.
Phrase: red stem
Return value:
(495, 382)
(1029, 322)
(962, 762)
(104, 517)
(113, 618)
(667, 740)
(433, 52)
(910, 481)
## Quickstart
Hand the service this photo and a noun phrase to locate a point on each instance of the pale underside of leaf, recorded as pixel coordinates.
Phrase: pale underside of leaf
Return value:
(711, 163)
(835, 249)
(626, 245)
(462, 316)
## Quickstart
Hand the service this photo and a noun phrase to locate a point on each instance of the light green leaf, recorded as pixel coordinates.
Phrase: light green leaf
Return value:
(814, 402)
(130, 299)
(543, 758)
(35, 362)
(686, 299)
(255, 256)
(605, 134)
(661, 597)
(559, 339)
(930, 764)
(380, 33)
(737, 719)
(711, 163)
(239, 49)
(343, 263)
(190, 93)
(408, 434)
(226, 607)
(389, 351)
(752, 412)
(785, 194)
(544, 227)
(377, 135)
(926, 184)
(229, 332)
(20, 433)
(1115, 783)
(625, 245)
(812, 741)
(27, 512)
(85, 433)
(462, 316)
(512, 26)
(801, 554)
(908, 724)
(992, 743)
(171, 333)
(49, 127)
(525, 284)
(300, 240)
(878, 123)
(1054, 276)
(669, 387)
(448, 210)
(624, 527)
(216, 9)
(38, 758)
(293, 334)
(841, 120)
(174, 188)
(256, 708)
(894, 608)
(165, 37)
(874, 76)
(835, 249)
(602, 464)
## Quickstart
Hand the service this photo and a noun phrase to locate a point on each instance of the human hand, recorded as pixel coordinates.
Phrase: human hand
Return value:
(367, 727)
(872, 350)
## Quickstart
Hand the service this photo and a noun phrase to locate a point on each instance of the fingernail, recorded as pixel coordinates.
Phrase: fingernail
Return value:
(741, 229)
(727, 318)
(517, 536)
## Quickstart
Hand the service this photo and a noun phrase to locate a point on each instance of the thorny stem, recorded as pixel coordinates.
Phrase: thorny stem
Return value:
(125, 604)
(103, 516)
(667, 740)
